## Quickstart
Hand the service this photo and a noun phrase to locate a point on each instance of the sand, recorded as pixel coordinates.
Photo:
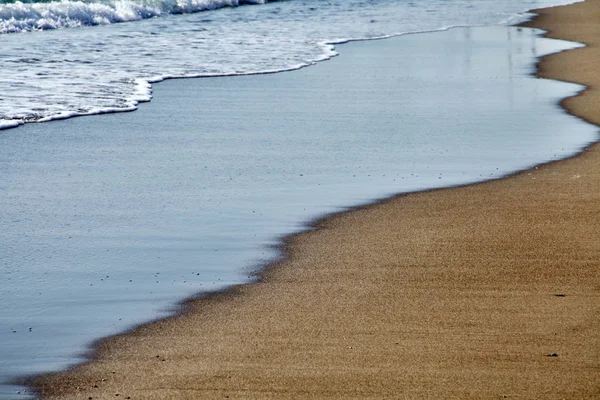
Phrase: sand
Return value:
(484, 291)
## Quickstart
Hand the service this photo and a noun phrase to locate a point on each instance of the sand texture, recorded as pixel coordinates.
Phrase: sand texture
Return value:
(485, 291)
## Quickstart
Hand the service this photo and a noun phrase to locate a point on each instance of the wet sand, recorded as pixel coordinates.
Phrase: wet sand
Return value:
(483, 291)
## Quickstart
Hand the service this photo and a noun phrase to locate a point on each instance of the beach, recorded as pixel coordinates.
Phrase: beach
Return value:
(487, 290)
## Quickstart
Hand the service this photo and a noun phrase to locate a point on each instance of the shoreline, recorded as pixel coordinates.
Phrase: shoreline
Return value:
(289, 249)
(547, 67)
(177, 100)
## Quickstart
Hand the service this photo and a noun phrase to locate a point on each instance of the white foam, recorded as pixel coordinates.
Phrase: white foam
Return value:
(20, 17)
(5, 124)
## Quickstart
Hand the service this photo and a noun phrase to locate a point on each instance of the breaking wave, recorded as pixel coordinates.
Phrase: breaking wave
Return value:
(26, 16)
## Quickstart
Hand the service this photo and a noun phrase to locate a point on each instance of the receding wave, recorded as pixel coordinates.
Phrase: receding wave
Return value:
(109, 68)
(25, 16)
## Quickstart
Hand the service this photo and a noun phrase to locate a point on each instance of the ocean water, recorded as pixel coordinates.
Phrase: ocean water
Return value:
(65, 58)
(108, 220)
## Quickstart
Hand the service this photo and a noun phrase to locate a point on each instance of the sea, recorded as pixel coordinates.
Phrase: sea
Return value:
(296, 111)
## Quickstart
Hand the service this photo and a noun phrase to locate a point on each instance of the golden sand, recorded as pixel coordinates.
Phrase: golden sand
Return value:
(484, 291)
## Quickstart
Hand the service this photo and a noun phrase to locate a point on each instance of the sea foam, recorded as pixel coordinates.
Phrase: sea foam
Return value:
(33, 16)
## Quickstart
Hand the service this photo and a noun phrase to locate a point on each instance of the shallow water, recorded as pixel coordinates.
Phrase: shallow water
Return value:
(84, 69)
(110, 220)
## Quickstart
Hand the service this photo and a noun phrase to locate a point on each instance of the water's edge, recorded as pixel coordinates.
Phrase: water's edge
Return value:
(283, 246)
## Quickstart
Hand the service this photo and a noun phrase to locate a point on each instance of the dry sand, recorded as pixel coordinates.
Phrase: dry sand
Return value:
(464, 292)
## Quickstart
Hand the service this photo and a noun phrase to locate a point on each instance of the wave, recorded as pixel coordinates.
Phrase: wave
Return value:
(95, 71)
(30, 16)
